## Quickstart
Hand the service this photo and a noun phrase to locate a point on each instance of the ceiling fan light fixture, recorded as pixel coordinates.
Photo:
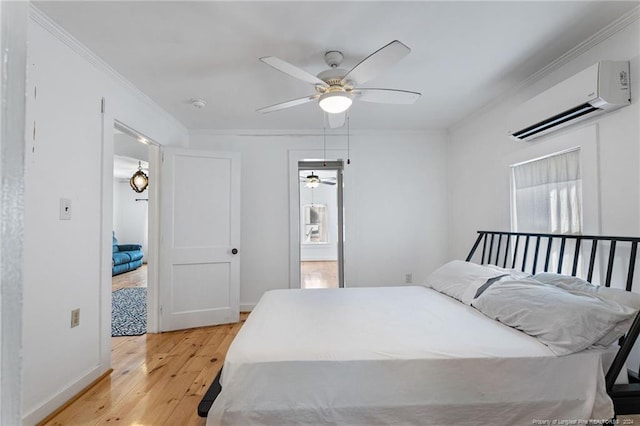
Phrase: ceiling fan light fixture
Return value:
(335, 102)
(312, 181)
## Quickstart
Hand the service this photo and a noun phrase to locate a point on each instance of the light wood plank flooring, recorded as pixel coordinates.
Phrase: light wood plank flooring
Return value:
(157, 379)
(319, 274)
(135, 278)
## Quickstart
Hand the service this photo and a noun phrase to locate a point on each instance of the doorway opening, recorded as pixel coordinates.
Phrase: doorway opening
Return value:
(132, 263)
(321, 224)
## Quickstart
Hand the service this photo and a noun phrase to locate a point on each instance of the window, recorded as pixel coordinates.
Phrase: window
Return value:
(547, 194)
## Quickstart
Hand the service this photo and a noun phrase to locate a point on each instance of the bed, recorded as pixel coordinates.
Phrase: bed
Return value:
(417, 355)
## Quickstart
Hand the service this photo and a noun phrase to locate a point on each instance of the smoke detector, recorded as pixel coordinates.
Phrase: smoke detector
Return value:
(198, 103)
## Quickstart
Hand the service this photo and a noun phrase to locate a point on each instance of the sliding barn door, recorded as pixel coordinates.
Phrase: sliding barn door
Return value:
(200, 236)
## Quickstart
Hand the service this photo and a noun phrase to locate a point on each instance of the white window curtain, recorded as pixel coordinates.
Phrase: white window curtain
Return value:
(547, 194)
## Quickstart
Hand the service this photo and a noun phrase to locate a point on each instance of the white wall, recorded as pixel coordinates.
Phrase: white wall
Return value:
(130, 217)
(479, 152)
(67, 263)
(395, 205)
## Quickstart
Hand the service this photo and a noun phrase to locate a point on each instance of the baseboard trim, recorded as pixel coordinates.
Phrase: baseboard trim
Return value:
(247, 307)
(72, 399)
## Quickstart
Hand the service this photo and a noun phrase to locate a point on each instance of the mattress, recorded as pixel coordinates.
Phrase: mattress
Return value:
(397, 355)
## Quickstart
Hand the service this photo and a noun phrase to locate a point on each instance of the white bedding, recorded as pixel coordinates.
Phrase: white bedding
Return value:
(397, 355)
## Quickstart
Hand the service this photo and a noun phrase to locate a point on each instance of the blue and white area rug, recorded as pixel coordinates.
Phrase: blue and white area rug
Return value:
(129, 312)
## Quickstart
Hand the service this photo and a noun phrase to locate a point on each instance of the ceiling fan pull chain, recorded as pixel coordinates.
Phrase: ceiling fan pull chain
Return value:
(348, 140)
(324, 145)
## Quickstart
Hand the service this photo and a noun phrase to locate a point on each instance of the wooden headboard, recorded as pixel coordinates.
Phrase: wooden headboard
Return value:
(568, 255)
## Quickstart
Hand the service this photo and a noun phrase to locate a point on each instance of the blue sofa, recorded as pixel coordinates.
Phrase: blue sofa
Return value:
(126, 257)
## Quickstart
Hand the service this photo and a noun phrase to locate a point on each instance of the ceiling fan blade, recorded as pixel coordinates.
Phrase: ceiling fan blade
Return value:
(387, 96)
(288, 104)
(327, 183)
(292, 70)
(336, 120)
(377, 62)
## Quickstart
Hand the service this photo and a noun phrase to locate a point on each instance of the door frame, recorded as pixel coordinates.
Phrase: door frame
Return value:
(313, 158)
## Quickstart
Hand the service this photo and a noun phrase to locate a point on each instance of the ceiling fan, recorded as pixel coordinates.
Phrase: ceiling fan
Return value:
(312, 181)
(336, 88)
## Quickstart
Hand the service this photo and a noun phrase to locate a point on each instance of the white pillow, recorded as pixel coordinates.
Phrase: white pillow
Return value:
(461, 280)
(513, 273)
(575, 284)
(578, 285)
(566, 322)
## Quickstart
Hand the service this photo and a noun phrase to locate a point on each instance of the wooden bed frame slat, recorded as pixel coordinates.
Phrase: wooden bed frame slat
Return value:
(498, 249)
(576, 257)
(515, 252)
(623, 396)
(592, 260)
(535, 255)
(524, 256)
(490, 249)
(506, 252)
(612, 254)
(546, 259)
(484, 247)
(561, 255)
(632, 265)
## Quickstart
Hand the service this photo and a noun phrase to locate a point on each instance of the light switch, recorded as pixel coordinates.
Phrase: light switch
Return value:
(65, 209)
(75, 317)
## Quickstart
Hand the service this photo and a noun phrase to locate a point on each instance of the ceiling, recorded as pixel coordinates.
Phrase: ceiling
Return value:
(464, 54)
(125, 167)
(128, 154)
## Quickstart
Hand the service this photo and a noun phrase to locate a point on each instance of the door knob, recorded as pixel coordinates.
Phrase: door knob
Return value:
(234, 251)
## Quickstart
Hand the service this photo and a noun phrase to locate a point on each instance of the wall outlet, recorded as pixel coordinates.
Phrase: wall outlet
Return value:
(408, 278)
(65, 209)
(75, 317)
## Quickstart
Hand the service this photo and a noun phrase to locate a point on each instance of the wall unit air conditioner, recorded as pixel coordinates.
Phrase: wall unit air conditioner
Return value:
(601, 88)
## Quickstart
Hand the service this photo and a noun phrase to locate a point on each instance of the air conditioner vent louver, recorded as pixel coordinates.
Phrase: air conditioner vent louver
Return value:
(555, 121)
(604, 86)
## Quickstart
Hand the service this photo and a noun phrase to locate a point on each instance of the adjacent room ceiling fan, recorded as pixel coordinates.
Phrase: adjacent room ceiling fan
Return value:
(337, 88)
(312, 181)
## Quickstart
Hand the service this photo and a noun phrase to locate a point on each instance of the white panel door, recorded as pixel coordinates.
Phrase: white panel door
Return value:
(200, 233)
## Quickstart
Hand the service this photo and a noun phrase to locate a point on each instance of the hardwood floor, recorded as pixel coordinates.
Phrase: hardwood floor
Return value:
(319, 274)
(157, 379)
(135, 278)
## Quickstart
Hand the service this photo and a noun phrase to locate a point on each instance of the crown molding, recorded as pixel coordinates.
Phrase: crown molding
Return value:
(303, 133)
(84, 52)
(613, 28)
(602, 35)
